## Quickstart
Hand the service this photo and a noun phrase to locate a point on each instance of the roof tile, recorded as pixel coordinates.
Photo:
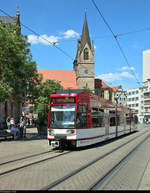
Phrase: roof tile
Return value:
(67, 78)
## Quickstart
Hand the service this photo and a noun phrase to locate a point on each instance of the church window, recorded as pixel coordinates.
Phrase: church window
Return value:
(86, 54)
(86, 71)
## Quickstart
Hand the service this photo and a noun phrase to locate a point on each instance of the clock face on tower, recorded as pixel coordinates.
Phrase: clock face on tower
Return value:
(86, 71)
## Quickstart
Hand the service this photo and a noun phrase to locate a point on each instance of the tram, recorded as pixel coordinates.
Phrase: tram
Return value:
(80, 118)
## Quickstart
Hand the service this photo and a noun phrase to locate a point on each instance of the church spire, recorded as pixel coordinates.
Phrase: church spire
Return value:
(85, 38)
(18, 20)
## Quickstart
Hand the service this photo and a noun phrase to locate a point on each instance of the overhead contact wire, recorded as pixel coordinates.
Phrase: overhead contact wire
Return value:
(115, 36)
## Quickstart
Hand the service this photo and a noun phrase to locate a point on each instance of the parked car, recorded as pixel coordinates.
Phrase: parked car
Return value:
(4, 134)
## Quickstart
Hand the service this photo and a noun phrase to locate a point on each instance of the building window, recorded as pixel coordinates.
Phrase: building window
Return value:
(86, 54)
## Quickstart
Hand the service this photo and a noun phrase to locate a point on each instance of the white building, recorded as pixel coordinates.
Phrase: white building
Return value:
(146, 100)
(121, 96)
(135, 101)
(139, 98)
(146, 65)
(146, 85)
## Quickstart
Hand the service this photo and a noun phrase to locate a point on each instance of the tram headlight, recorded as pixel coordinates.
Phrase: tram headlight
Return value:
(52, 132)
(70, 131)
(49, 131)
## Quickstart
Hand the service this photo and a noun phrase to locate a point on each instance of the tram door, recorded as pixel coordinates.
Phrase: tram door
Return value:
(107, 122)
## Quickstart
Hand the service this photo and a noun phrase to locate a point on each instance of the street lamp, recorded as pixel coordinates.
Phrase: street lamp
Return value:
(116, 100)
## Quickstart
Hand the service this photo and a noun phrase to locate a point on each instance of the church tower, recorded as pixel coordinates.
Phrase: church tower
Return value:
(84, 61)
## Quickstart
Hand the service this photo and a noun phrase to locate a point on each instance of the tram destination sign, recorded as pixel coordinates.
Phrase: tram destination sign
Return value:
(63, 100)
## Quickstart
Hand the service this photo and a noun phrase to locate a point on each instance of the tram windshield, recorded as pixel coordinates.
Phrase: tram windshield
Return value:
(62, 116)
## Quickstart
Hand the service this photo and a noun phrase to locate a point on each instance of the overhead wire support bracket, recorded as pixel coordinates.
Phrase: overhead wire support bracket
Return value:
(115, 36)
(40, 37)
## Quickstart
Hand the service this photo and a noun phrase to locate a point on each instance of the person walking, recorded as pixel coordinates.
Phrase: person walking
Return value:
(8, 123)
(12, 122)
(14, 131)
(22, 126)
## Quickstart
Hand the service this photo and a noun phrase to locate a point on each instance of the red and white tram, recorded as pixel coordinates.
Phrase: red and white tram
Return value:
(80, 119)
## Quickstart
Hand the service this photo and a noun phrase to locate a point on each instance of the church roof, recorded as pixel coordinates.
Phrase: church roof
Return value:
(85, 38)
(7, 19)
(67, 78)
(115, 88)
(104, 85)
(99, 83)
(12, 20)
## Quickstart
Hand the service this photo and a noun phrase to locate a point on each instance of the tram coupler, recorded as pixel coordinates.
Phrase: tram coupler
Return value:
(55, 144)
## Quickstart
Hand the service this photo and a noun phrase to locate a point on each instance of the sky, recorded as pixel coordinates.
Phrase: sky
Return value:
(58, 25)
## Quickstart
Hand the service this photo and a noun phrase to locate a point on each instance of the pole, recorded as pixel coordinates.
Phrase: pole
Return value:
(116, 117)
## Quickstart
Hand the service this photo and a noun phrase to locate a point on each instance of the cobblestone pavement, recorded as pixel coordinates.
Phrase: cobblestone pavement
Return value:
(37, 176)
(33, 143)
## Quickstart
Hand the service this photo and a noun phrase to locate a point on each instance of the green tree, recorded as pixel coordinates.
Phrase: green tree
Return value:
(45, 89)
(87, 89)
(18, 73)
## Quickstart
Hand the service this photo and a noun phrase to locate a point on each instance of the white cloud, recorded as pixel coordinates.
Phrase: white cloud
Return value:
(32, 39)
(47, 40)
(110, 77)
(42, 39)
(127, 68)
(70, 34)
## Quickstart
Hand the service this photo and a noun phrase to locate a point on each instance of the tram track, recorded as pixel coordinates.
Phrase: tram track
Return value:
(6, 168)
(98, 184)
(25, 157)
(62, 179)
(58, 182)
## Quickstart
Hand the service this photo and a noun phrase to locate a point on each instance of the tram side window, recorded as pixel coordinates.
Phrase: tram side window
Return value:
(97, 118)
(82, 116)
(112, 118)
(118, 119)
(128, 121)
(132, 119)
(121, 118)
(112, 121)
(136, 119)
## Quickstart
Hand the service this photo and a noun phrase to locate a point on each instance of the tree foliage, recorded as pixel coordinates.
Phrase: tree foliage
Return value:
(87, 89)
(45, 89)
(18, 73)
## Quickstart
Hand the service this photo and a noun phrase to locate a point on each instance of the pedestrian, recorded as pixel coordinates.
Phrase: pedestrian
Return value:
(23, 126)
(12, 122)
(33, 122)
(28, 120)
(14, 131)
(8, 123)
